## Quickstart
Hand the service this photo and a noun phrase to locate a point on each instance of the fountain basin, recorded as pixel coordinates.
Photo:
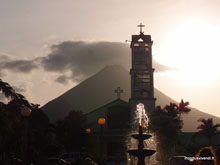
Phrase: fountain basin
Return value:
(143, 136)
(144, 152)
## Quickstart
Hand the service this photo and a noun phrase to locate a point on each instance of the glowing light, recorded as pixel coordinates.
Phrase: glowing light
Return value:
(141, 115)
(88, 130)
(192, 48)
(25, 111)
(101, 121)
(143, 125)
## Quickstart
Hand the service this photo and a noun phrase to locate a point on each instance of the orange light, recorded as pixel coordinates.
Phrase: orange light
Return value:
(88, 130)
(25, 111)
(101, 121)
(143, 125)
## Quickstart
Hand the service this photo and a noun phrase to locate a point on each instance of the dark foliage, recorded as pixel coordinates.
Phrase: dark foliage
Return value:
(191, 148)
(71, 131)
(13, 124)
(207, 128)
(41, 135)
(44, 139)
(166, 124)
(11, 121)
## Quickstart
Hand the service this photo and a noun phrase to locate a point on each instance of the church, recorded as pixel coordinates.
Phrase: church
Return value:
(115, 98)
(118, 114)
(108, 139)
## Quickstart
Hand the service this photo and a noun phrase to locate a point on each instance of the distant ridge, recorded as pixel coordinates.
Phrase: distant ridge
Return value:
(98, 90)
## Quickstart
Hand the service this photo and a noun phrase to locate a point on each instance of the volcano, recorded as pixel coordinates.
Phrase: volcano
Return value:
(98, 90)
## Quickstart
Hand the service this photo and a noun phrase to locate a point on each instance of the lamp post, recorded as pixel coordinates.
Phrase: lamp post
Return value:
(87, 141)
(101, 122)
(25, 112)
(88, 130)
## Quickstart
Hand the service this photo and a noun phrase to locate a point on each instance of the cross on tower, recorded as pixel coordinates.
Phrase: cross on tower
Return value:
(141, 27)
(118, 91)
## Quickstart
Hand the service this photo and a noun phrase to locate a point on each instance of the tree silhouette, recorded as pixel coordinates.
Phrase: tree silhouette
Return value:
(10, 113)
(71, 131)
(10, 93)
(207, 128)
(166, 124)
(41, 136)
(11, 119)
(12, 124)
(182, 108)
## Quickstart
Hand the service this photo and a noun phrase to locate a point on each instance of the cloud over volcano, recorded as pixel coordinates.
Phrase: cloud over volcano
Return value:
(83, 59)
(76, 60)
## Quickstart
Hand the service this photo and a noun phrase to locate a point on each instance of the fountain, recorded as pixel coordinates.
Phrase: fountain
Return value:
(141, 153)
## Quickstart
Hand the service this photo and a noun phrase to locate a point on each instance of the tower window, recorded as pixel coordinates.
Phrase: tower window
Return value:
(136, 44)
(140, 40)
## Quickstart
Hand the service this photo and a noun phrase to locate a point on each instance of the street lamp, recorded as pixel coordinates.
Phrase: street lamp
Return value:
(88, 130)
(25, 112)
(101, 122)
(87, 141)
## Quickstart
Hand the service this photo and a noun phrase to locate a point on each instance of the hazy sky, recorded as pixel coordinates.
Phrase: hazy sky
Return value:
(48, 46)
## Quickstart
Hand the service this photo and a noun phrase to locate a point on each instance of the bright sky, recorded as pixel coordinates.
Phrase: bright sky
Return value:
(186, 35)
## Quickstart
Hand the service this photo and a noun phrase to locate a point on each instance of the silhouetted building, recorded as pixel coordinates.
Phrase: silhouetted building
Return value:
(117, 126)
(142, 81)
(119, 114)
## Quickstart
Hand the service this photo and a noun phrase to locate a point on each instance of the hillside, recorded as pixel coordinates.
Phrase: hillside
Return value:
(99, 89)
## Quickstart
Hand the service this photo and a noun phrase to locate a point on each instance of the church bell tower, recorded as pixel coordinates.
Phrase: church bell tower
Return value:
(142, 84)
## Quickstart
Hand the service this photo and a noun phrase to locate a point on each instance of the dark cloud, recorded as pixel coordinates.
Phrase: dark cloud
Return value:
(3, 58)
(79, 59)
(83, 59)
(63, 79)
(9, 63)
(24, 66)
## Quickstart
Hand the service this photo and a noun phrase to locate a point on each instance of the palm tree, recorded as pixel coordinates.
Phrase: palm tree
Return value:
(12, 124)
(10, 93)
(207, 128)
(7, 90)
(10, 111)
(182, 108)
(10, 116)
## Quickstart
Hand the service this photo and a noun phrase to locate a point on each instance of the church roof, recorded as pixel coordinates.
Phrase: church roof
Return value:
(118, 109)
(145, 38)
(114, 102)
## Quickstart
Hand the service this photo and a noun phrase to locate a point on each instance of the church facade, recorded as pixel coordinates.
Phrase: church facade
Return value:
(115, 130)
(118, 113)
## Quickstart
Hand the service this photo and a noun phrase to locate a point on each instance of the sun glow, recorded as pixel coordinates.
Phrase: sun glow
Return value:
(193, 49)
